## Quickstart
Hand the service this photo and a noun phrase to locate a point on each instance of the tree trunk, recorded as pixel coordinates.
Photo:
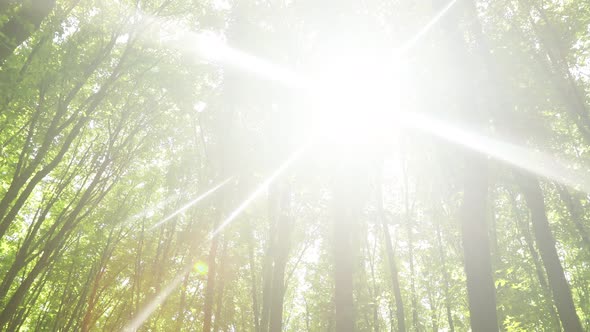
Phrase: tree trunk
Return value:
(344, 217)
(410, 234)
(476, 247)
(546, 244)
(576, 213)
(397, 294)
(210, 288)
(445, 273)
(472, 76)
(267, 265)
(281, 256)
(221, 277)
(255, 307)
(524, 227)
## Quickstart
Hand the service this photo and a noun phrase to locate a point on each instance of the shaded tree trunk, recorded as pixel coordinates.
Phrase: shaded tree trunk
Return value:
(255, 307)
(481, 290)
(210, 288)
(524, 227)
(472, 78)
(575, 210)
(410, 234)
(281, 256)
(445, 273)
(397, 294)
(221, 277)
(546, 244)
(267, 265)
(344, 207)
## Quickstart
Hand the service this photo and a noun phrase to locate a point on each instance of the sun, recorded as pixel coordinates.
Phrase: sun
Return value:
(357, 99)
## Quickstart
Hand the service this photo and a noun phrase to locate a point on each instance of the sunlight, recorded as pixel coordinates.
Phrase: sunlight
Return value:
(258, 191)
(536, 162)
(416, 37)
(213, 47)
(356, 99)
(191, 203)
(358, 95)
(200, 267)
(228, 165)
(151, 306)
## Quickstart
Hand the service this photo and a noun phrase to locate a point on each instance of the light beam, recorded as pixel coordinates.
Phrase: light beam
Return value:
(149, 308)
(191, 203)
(414, 40)
(536, 162)
(259, 190)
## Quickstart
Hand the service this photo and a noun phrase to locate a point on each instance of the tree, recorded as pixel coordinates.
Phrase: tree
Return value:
(546, 243)
(25, 21)
(294, 166)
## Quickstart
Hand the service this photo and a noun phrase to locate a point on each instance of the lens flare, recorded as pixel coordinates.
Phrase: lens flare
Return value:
(201, 268)
(348, 119)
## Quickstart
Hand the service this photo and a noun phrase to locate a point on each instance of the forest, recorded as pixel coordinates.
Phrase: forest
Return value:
(295, 165)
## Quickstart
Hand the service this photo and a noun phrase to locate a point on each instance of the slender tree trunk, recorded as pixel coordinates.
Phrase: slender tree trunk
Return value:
(400, 315)
(546, 244)
(16, 323)
(307, 319)
(138, 272)
(524, 227)
(278, 294)
(268, 266)
(575, 210)
(210, 288)
(397, 294)
(433, 309)
(281, 256)
(181, 304)
(255, 307)
(445, 273)
(88, 316)
(373, 289)
(344, 207)
(221, 277)
(410, 234)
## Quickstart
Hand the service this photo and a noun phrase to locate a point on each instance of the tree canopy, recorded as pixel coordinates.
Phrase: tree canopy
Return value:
(221, 165)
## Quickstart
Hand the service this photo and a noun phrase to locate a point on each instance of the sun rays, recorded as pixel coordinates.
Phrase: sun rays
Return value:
(342, 123)
(191, 203)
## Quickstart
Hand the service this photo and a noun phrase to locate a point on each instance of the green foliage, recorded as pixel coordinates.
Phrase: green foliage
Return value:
(110, 123)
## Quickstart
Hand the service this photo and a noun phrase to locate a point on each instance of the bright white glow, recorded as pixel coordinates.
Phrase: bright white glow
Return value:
(208, 45)
(191, 203)
(358, 94)
(259, 190)
(356, 99)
